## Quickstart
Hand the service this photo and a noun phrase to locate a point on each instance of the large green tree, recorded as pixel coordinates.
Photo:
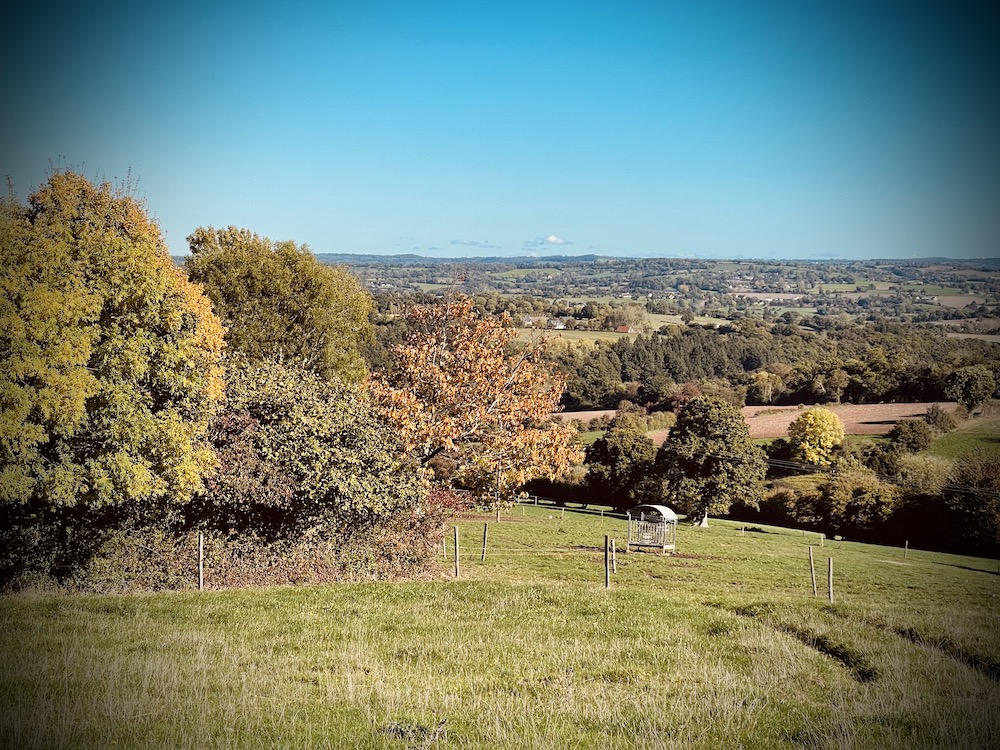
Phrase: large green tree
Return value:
(855, 501)
(280, 303)
(708, 460)
(971, 386)
(620, 467)
(973, 500)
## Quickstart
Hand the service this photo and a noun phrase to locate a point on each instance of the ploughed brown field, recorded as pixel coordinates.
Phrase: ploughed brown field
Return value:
(858, 419)
(773, 421)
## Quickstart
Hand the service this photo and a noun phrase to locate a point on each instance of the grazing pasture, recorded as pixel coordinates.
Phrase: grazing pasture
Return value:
(556, 337)
(722, 645)
(976, 434)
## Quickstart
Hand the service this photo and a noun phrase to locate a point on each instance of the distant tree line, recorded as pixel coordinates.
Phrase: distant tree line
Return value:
(785, 364)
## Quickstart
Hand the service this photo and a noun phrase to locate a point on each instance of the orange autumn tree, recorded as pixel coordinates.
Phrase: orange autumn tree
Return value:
(459, 390)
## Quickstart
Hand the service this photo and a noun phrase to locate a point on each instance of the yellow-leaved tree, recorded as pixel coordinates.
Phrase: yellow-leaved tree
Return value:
(109, 371)
(814, 435)
(459, 389)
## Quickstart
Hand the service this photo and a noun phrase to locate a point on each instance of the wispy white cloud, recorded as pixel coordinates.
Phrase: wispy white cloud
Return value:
(551, 239)
(484, 244)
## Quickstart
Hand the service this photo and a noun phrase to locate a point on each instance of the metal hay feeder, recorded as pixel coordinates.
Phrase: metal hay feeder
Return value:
(652, 526)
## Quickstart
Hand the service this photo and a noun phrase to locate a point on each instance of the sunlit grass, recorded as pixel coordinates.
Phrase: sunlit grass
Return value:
(658, 319)
(723, 645)
(974, 434)
(555, 336)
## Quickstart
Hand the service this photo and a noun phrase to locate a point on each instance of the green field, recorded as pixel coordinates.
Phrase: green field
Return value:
(721, 646)
(571, 335)
(583, 300)
(518, 273)
(590, 437)
(934, 289)
(880, 287)
(973, 435)
(656, 320)
(801, 310)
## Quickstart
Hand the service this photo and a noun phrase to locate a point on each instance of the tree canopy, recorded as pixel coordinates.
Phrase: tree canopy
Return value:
(459, 389)
(708, 460)
(971, 386)
(974, 500)
(855, 500)
(912, 435)
(280, 303)
(814, 435)
(109, 357)
(620, 467)
(297, 452)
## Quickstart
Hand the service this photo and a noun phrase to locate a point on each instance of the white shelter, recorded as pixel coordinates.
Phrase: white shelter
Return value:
(652, 526)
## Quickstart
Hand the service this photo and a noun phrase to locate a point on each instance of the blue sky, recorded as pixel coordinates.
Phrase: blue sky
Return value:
(718, 129)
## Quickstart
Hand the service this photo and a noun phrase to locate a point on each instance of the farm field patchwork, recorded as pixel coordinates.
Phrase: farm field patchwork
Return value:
(722, 645)
(991, 337)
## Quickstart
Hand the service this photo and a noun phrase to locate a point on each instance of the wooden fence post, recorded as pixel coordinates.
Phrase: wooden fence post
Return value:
(201, 561)
(906, 548)
(812, 569)
(607, 563)
(829, 577)
(456, 550)
(614, 558)
(486, 529)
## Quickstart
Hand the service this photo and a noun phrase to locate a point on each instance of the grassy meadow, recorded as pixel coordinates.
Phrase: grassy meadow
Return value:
(555, 337)
(974, 434)
(722, 646)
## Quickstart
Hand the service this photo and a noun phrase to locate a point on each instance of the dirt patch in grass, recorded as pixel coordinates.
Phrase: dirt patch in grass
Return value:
(695, 556)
